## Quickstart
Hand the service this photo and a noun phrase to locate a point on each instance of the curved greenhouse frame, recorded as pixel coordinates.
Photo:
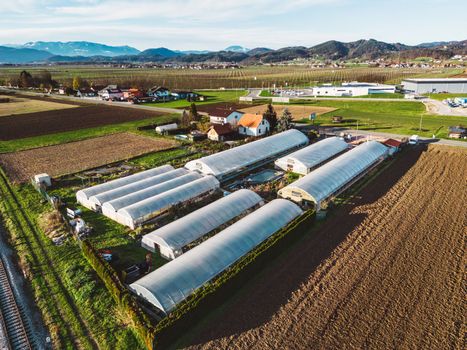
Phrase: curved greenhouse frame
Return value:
(238, 158)
(171, 238)
(172, 283)
(146, 209)
(82, 196)
(323, 182)
(305, 159)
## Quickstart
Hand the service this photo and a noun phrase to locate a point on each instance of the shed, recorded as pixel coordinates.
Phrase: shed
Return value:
(162, 129)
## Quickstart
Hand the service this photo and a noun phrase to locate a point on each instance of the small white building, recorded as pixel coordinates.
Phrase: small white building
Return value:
(352, 89)
(162, 129)
(111, 92)
(225, 116)
(253, 125)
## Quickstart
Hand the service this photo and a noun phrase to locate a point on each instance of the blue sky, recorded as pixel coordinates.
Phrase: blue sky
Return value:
(216, 24)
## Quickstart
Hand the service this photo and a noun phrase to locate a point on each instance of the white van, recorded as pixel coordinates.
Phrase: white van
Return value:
(413, 140)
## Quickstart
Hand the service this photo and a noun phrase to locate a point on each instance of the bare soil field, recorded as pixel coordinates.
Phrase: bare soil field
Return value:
(386, 271)
(21, 105)
(55, 121)
(298, 112)
(73, 157)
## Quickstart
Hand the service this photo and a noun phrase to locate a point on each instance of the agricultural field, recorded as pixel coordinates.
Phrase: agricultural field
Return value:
(211, 97)
(19, 105)
(77, 156)
(245, 77)
(298, 112)
(380, 272)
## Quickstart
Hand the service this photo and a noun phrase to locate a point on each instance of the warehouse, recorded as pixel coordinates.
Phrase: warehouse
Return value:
(352, 89)
(99, 199)
(135, 214)
(172, 283)
(234, 161)
(308, 158)
(171, 239)
(435, 85)
(110, 208)
(336, 175)
(82, 196)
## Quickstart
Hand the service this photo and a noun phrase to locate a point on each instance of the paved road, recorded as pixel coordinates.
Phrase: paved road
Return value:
(438, 107)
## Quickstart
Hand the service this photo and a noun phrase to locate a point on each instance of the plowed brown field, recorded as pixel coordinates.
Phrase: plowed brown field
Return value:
(384, 272)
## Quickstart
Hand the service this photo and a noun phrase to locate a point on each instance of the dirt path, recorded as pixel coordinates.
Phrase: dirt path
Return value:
(385, 272)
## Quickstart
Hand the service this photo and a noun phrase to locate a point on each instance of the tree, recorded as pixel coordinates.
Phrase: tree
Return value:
(77, 83)
(25, 79)
(285, 121)
(271, 116)
(194, 116)
(185, 120)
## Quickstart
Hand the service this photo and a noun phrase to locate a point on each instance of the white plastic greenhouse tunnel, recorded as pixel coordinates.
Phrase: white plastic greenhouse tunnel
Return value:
(170, 239)
(310, 157)
(238, 159)
(82, 196)
(172, 283)
(327, 180)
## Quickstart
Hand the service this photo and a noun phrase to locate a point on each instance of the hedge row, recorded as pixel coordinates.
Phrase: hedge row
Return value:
(142, 324)
(214, 294)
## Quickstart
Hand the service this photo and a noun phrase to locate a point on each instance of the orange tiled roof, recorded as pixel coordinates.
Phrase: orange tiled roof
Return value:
(249, 120)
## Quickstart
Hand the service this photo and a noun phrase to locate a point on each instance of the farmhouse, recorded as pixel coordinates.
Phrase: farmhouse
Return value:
(308, 158)
(435, 85)
(225, 116)
(172, 283)
(353, 89)
(219, 132)
(239, 159)
(111, 92)
(86, 92)
(253, 125)
(333, 177)
(129, 94)
(159, 92)
(171, 239)
(185, 95)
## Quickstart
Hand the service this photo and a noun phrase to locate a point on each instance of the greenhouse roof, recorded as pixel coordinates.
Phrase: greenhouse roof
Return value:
(172, 283)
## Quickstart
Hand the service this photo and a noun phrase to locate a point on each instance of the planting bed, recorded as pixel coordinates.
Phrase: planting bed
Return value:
(77, 156)
(55, 121)
(385, 271)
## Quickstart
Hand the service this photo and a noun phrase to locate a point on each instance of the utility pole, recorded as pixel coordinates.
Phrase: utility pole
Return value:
(421, 119)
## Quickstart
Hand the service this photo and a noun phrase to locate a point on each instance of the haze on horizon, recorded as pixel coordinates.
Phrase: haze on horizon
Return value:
(214, 25)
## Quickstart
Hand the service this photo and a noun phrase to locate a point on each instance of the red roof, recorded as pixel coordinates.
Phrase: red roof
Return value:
(392, 143)
(222, 129)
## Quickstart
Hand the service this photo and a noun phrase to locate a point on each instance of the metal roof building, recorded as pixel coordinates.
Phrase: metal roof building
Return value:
(169, 240)
(135, 214)
(172, 283)
(327, 180)
(238, 159)
(99, 199)
(82, 196)
(110, 208)
(435, 85)
(305, 159)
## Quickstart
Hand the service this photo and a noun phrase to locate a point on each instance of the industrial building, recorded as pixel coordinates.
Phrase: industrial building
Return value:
(82, 196)
(352, 89)
(172, 283)
(135, 214)
(170, 240)
(435, 85)
(242, 158)
(310, 157)
(331, 178)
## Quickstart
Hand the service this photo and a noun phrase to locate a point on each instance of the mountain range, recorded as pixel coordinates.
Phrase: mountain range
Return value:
(83, 51)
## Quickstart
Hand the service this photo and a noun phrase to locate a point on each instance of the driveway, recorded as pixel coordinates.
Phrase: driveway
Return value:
(439, 108)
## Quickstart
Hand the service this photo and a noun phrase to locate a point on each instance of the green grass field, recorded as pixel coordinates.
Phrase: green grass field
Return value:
(441, 97)
(212, 96)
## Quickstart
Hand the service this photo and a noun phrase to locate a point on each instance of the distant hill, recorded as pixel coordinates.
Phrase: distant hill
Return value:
(14, 55)
(258, 51)
(80, 48)
(160, 51)
(236, 48)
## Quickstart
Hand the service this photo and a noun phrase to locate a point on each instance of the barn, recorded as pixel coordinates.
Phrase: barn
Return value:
(170, 240)
(334, 176)
(310, 157)
(229, 163)
(137, 213)
(172, 283)
(82, 196)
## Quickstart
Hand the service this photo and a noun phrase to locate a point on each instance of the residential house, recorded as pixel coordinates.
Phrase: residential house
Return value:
(219, 132)
(111, 92)
(130, 94)
(160, 92)
(86, 92)
(253, 125)
(457, 132)
(225, 116)
(185, 95)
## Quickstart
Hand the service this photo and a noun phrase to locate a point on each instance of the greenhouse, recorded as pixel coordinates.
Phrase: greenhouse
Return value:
(110, 208)
(172, 283)
(99, 199)
(146, 209)
(327, 180)
(172, 238)
(239, 159)
(82, 196)
(310, 157)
